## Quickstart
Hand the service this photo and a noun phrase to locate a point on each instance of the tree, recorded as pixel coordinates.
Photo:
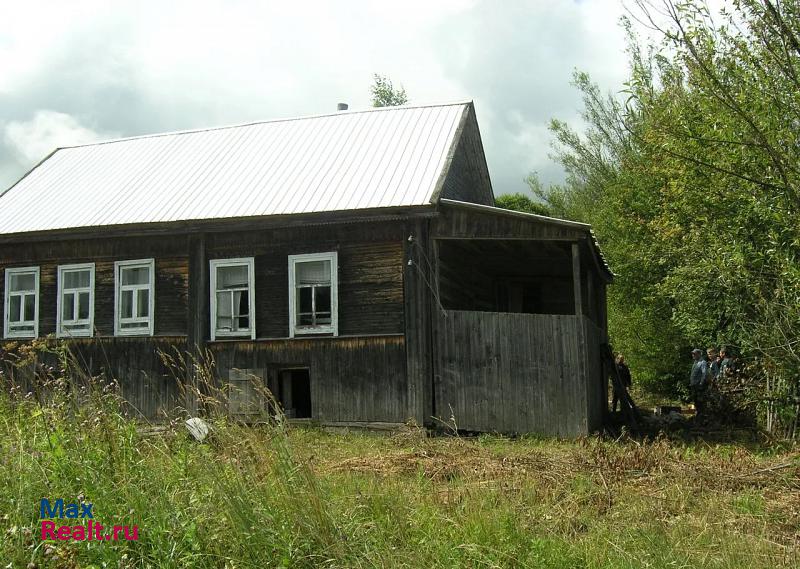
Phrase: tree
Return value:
(521, 202)
(691, 183)
(384, 94)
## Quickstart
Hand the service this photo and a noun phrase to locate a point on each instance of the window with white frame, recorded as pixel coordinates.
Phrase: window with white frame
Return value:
(21, 314)
(313, 300)
(75, 310)
(134, 297)
(232, 298)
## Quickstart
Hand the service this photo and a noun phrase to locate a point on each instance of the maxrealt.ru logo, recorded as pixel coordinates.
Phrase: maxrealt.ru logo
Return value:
(89, 531)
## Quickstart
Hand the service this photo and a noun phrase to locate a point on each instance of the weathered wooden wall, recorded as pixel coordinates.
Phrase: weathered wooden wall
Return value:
(596, 383)
(352, 379)
(468, 177)
(151, 389)
(475, 224)
(513, 372)
(357, 378)
(470, 271)
(172, 276)
(370, 273)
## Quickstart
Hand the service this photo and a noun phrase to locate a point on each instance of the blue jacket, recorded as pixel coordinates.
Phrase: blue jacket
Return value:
(698, 375)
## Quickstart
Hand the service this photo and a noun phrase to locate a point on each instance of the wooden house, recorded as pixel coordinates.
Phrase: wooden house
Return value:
(355, 261)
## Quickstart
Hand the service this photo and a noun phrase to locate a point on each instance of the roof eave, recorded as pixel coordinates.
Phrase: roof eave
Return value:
(213, 225)
(537, 218)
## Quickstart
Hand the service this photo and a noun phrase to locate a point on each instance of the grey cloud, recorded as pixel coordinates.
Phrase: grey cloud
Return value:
(515, 59)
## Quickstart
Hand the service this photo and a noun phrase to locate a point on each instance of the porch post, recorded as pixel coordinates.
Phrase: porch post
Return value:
(576, 278)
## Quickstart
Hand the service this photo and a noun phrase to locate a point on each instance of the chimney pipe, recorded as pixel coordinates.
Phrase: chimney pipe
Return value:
(341, 107)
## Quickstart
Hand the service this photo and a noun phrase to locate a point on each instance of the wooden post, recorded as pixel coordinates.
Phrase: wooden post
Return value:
(198, 318)
(603, 313)
(417, 298)
(576, 278)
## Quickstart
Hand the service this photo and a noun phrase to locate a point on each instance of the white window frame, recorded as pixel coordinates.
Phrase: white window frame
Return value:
(214, 264)
(137, 263)
(61, 333)
(7, 333)
(333, 327)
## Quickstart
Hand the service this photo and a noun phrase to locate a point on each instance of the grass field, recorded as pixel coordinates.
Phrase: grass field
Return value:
(262, 497)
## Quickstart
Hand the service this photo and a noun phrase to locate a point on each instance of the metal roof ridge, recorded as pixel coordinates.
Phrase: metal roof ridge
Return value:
(268, 121)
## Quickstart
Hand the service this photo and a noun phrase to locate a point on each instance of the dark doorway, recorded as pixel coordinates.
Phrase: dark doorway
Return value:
(294, 393)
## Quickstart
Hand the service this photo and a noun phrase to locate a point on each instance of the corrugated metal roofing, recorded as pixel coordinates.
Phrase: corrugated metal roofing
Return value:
(385, 157)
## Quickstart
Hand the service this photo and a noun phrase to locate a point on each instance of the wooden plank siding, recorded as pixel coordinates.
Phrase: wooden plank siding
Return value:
(368, 374)
(352, 379)
(370, 273)
(462, 223)
(418, 295)
(399, 355)
(468, 176)
(596, 382)
(513, 372)
(151, 389)
(171, 283)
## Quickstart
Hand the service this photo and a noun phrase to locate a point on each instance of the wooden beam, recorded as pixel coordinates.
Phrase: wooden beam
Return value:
(198, 317)
(576, 278)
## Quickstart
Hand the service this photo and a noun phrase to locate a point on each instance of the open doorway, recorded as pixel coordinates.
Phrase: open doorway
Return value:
(294, 393)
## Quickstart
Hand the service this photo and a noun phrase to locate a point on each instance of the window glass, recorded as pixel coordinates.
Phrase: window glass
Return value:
(323, 300)
(143, 305)
(15, 305)
(30, 307)
(313, 297)
(304, 304)
(313, 272)
(68, 307)
(232, 282)
(83, 306)
(76, 279)
(135, 276)
(126, 309)
(22, 282)
(232, 277)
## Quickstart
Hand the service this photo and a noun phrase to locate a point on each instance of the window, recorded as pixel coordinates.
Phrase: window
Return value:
(21, 314)
(312, 294)
(75, 302)
(133, 297)
(232, 298)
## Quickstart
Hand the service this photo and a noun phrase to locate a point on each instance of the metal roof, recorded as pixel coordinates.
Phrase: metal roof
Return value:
(386, 157)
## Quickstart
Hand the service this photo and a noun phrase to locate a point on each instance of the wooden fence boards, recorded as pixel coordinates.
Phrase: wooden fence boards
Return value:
(517, 372)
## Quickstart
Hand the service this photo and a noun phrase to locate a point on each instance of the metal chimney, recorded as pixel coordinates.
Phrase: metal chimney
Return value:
(341, 106)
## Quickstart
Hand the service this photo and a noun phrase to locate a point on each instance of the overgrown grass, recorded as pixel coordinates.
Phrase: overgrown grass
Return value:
(260, 496)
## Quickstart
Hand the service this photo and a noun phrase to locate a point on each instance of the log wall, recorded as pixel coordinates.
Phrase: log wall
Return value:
(352, 379)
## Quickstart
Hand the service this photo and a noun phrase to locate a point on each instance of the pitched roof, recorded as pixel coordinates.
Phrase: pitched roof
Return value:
(387, 157)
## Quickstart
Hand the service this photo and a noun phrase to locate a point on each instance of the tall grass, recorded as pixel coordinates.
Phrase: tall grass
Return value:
(262, 496)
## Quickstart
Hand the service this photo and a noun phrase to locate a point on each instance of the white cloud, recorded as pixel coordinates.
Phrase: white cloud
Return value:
(151, 66)
(34, 139)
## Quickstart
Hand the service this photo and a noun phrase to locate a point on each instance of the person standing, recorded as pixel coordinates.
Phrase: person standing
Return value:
(698, 379)
(714, 361)
(624, 374)
(727, 366)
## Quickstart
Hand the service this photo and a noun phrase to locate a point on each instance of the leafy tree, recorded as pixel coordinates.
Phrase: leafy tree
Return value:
(692, 182)
(385, 94)
(521, 202)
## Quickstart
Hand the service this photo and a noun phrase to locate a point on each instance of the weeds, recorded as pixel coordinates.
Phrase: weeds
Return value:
(265, 496)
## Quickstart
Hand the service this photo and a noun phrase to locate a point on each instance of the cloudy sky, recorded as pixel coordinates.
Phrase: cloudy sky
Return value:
(86, 70)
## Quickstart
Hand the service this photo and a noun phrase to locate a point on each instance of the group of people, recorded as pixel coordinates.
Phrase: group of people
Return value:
(707, 369)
